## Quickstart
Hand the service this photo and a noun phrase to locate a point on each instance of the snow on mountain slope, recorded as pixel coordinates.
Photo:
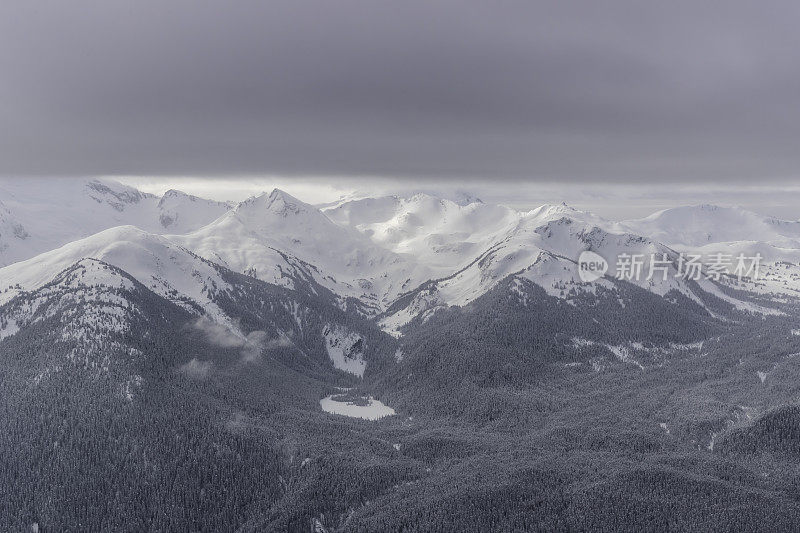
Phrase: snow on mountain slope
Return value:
(84, 314)
(345, 349)
(236, 311)
(85, 299)
(12, 233)
(543, 247)
(156, 262)
(179, 212)
(39, 215)
(278, 238)
(399, 257)
(444, 235)
(779, 268)
(88, 273)
(699, 225)
(707, 230)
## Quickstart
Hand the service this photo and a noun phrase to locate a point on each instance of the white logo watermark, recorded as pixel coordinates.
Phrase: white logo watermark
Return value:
(591, 266)
(636, 267)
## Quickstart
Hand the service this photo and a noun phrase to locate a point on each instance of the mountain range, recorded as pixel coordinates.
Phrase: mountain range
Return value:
(389, 363)
(395, 258)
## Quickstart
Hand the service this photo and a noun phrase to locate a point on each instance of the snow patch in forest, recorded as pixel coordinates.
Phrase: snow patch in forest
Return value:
(623, 354)
(10, 329)
(620, 351)
(130, 386)
(578, 342)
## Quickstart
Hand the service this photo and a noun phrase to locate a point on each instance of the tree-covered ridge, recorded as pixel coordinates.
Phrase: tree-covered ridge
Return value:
(521, 411)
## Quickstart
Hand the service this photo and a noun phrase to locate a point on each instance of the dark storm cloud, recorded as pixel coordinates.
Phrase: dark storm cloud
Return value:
(582, 90)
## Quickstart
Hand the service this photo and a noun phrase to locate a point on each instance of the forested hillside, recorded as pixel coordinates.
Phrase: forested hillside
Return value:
(123, 410)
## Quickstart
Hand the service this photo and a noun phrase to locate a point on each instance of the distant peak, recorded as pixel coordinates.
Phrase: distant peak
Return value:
(422, 196)
(704, 207)
(114, 193)
(563, 207)
(464, 199)
(278, 194)
(278, 202)
(691, 210)
(459, 198)
(561, 211)
(279, 198)
(175, 195)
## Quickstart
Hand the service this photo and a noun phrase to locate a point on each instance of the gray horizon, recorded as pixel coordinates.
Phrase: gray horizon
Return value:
(680, 92)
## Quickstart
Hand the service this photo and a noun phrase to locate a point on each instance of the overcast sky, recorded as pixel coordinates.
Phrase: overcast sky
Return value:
(423, 91)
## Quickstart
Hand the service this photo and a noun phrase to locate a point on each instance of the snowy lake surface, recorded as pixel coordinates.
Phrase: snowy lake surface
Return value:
(374, 409)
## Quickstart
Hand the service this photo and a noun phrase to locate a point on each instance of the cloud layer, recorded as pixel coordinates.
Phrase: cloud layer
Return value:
(582, 90)
(251, 346)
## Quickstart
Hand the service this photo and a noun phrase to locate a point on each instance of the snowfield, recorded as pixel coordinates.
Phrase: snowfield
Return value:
(40, 215)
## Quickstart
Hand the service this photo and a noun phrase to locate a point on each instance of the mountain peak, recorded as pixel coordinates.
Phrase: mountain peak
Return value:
(702, 224)
(550, 210)
(114, 194)
(277, 202)
(464, 199)
(279, 195)
(173, 195)
(680, 213)
(459, 198)
(282, 203)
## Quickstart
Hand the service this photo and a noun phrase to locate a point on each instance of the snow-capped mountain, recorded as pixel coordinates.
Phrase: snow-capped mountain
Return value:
(156, 262)
(543, 246)
(473, 247)
(40, 215)
(278, 238)
(230, 306)
(179, 212)
(707, 230)
(397, 258)
(700, 225)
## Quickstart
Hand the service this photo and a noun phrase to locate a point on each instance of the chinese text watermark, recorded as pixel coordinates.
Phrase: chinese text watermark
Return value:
(660, 266)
